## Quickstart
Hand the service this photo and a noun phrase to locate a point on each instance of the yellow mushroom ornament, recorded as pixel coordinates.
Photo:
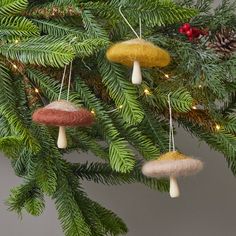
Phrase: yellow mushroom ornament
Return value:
(138, 53)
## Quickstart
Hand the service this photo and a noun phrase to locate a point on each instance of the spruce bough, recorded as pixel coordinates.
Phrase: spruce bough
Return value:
(38, 38)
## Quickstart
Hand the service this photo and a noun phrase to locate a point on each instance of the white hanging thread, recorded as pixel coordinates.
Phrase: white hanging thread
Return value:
(140, 26)
(127, 22)
(69, 83)
(171, 131)
(62, 83)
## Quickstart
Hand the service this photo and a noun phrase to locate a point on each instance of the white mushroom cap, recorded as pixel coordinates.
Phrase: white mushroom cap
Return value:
(172, 164)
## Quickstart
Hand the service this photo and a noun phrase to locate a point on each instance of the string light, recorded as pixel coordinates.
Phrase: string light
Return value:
(16, 41)
(36, 90)
(119, 107)
(218, 127)
(200, 86)
(194, 108)
(93, 112)
(147, 92)
(15, 66)
(167, 76)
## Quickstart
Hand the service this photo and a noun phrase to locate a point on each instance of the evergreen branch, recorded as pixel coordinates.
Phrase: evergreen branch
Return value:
(121, 157)
(158, 13)
(181, 99)
(103, 173)
(121, 91)
(15, 27)
(88, 47)
(49, 87)
(10, 145)
(221, 141)
(8, 110)
(87, 143)
(229, 123)
(92, 27)
(69, 212)
(58, 28)
(112, 224)
(43, 50)
(136, 137)
(45, 175)
(156, 130)
(27, 197)
(18, 128)
(12, 7)
(95, 215)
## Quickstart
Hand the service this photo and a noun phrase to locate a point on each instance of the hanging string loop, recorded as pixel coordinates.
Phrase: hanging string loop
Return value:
(69, 82)
(127, 22)
(62, 83)
(171, 131)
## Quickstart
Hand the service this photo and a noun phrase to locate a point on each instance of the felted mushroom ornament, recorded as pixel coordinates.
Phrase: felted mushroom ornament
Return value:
(138, 53)
(172, 165)
(63, 113)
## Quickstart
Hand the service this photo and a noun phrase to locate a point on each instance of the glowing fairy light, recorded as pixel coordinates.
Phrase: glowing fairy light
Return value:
(147, 92)
(167, 76)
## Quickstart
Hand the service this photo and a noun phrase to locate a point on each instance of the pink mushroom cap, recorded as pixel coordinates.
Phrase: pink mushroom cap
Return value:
(63, 113)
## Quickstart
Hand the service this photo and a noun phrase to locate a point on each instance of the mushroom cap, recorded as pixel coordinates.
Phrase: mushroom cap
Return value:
(63, 113)
(172, 164)
(146, 53)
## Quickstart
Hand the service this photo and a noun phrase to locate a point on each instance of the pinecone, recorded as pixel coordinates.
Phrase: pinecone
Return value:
(224, 42)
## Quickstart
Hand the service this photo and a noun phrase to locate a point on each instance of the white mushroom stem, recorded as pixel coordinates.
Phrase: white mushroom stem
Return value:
(137, 74)
(174, 188)
(62, 141)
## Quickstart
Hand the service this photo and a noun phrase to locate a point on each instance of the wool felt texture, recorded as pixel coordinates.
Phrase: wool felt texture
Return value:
(172, 164)
(63, 113)
(146, 53)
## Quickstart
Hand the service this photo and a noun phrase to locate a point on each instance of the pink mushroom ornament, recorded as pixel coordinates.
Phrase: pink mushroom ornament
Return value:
(63, 114)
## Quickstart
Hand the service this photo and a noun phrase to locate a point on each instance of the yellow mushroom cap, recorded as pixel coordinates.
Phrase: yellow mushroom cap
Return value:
(146, 53)
(172, 164)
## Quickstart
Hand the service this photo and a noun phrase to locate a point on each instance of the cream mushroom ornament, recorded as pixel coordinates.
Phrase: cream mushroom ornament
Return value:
(172, 164)
(137, 53)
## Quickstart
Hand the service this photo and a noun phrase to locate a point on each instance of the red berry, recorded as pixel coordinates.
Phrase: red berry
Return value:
(189, 33)
(186, 27)
(181, 30)
(196, 32)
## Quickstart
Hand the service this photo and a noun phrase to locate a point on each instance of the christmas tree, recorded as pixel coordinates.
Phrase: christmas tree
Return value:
(40, 38)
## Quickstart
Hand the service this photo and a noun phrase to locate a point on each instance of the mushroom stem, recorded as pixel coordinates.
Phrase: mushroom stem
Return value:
(174, 188)
(62, 141)
(137, 74)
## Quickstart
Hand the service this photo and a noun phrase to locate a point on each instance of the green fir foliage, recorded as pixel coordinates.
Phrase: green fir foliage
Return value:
(39, 38)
